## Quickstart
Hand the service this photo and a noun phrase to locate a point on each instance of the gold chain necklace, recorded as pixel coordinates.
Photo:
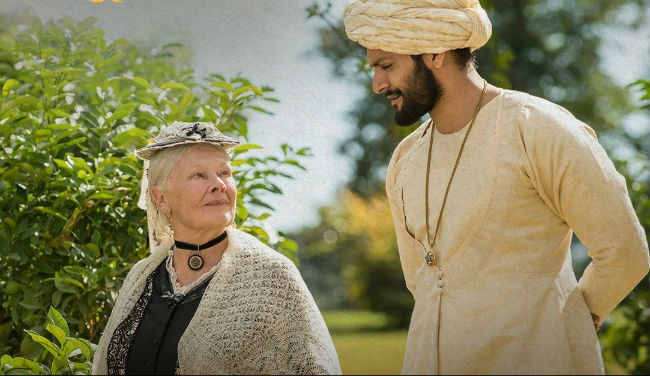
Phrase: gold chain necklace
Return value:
(430, 257)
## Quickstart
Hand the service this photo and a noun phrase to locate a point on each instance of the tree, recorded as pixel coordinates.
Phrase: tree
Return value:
(626, 337)
(350, 259)
(74, 107)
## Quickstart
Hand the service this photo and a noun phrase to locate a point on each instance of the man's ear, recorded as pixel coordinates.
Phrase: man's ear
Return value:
(434, 61)
(160, 199)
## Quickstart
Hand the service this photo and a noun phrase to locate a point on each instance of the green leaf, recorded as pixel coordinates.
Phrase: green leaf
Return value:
(294, 162)
(174, 85)
(103, 196)
(121, 112)
(46, 343)
(14, 256)
(263, 216)
(57, 333)
(216, 76)
(242, 213)
(289, 245)
(22, 366)
(133, 136)
(83, 345)
(223, 85)
(79, 163)
(63, 164)
(57, 319)
(246, 147)
(12, 287)
(247, 88)
(68, 285)
(187, 98)
(9, 84)
(260, 109)
(76, 141)
(105, 170)
(56, 297)
(28, 167)
(43, 133)
(27, 102)
(56, 113)
(4, 360)
(260, 232)
(75, 269)
(30, 305)
(51, 212)
(10, 222)
(141, 82)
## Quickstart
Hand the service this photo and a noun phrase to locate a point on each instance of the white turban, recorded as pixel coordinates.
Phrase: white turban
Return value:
(414, 27)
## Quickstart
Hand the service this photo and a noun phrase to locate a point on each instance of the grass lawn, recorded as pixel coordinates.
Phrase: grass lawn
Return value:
(362, 343)
(366, 347)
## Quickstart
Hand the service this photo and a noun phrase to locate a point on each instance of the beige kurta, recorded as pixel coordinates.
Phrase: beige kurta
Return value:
(503, 298)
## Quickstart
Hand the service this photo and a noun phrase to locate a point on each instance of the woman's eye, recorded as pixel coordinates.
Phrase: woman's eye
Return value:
(385, 67)
(225, 173)
(198, 175)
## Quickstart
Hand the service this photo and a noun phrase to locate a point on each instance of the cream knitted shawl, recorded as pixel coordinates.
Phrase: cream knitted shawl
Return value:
(256, 317)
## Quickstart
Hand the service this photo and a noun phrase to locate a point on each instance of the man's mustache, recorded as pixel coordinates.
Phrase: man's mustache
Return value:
(392, 93)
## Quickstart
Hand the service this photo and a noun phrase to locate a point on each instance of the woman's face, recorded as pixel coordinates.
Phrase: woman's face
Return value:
(200, 193)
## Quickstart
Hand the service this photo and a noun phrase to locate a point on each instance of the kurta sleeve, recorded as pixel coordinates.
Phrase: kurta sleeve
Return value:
(410, 257)
(574, 176)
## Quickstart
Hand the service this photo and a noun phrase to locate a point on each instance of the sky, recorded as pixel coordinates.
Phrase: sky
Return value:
(271, 42)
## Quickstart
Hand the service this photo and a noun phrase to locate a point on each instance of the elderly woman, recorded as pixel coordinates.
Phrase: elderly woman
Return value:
(209, 299)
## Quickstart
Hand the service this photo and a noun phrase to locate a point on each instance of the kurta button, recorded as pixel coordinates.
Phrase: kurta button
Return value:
(441, 283)
(440, 274)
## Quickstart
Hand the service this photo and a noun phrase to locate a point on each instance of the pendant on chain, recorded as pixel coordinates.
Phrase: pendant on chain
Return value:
(429, 258)
(195, 262)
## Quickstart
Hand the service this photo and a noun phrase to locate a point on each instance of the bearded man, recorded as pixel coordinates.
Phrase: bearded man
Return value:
(486, 196)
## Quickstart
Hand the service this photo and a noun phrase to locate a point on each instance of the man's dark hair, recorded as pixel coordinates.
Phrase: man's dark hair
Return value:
(463, 57)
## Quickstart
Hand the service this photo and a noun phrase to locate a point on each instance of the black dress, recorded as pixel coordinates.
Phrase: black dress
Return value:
(146, 341)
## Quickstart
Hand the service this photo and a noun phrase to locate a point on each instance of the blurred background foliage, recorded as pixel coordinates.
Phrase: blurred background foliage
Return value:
(73, 108)
(546, 48)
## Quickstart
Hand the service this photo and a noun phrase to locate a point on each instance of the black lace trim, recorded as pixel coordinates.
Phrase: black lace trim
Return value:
(118, 348)
(164, 287)
(158, 282)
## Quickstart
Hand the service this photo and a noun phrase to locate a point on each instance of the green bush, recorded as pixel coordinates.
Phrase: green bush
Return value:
(73, 108)
(626, 336)
(71, 356)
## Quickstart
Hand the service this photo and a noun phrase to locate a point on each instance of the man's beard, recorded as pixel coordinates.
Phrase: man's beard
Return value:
(421, 94)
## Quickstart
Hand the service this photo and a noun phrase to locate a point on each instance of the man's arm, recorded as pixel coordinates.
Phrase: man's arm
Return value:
(576, 178)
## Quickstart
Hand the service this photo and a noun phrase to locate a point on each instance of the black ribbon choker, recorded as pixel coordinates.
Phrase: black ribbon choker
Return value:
(195, 262)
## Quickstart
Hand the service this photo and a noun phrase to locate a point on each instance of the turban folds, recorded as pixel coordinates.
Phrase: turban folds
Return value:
(414, 27)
